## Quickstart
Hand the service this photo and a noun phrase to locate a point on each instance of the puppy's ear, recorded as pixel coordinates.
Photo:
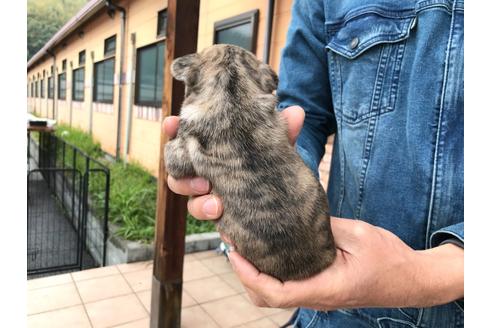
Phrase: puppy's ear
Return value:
(185, 68)
(268, 78)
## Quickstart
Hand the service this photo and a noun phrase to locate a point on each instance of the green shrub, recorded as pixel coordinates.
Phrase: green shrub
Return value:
(133, 191)
(80, 139)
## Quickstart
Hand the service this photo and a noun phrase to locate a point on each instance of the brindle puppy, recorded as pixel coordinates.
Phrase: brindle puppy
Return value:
(275, 210)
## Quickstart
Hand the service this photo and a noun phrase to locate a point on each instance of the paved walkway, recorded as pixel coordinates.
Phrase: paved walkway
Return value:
(119, 296)
(51, 239)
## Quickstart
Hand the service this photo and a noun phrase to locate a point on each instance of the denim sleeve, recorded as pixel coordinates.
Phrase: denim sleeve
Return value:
(453, 232)
(304, 79)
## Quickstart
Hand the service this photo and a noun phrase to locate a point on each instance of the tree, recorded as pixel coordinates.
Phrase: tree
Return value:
(44, 18)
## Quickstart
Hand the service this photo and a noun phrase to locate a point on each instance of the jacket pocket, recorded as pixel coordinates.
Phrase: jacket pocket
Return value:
(365, 54)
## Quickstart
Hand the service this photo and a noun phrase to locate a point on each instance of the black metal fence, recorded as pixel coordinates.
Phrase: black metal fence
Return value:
(68, 199)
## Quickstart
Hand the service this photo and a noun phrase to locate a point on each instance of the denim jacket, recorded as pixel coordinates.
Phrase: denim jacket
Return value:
(387, 78)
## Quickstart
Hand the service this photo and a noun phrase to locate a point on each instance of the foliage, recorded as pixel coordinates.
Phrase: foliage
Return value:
(196, 226)
(133, 191)
(44, 18)
(80, 139)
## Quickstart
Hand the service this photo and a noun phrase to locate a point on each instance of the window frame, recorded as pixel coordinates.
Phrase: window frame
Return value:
(159, 13)
(94, 77)
(41, 89)
(59, 86)
(247, 17)
(108, 53)
(157, 104)
(82, 55)
(51, 91)
(74, 93)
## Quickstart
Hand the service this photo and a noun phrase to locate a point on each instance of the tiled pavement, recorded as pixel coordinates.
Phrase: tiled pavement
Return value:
(119, 296)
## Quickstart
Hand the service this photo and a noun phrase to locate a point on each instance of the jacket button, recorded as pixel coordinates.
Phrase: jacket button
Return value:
(354, 43)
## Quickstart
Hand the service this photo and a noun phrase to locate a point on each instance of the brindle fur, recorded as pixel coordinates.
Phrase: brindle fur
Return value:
(275, 210)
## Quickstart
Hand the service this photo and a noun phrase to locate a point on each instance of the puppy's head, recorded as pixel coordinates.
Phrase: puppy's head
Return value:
(226, 68)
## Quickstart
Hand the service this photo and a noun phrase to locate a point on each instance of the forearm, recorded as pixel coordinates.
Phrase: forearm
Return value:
(439, 276)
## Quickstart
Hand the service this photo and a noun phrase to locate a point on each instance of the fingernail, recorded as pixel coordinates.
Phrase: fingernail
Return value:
(211, 207)
(200, 185)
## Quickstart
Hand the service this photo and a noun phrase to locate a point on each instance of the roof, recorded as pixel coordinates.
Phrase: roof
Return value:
(75, 22)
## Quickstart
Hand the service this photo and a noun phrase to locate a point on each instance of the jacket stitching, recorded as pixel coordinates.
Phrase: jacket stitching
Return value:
(438, 132)
(378, 39)
(368, 143)
(396, 77)
(313, 320)
(395, 320)
(383, 12)
(339, 119)
(367, 152)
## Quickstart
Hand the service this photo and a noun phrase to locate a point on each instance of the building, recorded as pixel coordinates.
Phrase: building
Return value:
(102, 71)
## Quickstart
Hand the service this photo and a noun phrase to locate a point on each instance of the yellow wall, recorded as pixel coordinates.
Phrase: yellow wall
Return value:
(142, 20)
(40, 106)
(144, 133)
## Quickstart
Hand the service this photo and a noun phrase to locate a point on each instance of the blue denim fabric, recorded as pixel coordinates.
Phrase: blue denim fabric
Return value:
(387, 78)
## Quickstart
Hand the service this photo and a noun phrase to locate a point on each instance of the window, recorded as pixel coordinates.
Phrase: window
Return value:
(37, 88)
(32, 89)
(78, 84)
(103, 81)
(42, 89)
(110, 46)
(161, 22)
(150, 72)
(52, 69)
(64, 65)
(62, 86)
(50, 87)
(239, 30)
(82, 57)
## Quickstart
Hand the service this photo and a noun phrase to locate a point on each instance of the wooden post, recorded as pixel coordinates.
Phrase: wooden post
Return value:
(182, 35)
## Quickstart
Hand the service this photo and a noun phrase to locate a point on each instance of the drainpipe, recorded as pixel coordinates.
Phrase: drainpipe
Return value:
(268, 34)
(71, 91)
(53, 76)
(129, 96)
(45, 81)
(111, 8)
(91, 93)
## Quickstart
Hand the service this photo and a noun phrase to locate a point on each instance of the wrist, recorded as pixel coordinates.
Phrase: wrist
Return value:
(440, 275)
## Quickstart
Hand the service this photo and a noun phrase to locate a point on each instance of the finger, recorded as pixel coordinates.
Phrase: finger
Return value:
(250, 276)
(226, 239)
(208, 207)
(189, 186)
(294, 116)
(255, 298)
(350, 235)
(170, 126)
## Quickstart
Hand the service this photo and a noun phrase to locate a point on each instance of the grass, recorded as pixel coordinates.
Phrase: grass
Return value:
(133, 191)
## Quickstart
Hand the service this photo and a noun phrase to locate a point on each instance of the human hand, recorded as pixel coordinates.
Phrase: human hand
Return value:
(373, 268)
(203, 205)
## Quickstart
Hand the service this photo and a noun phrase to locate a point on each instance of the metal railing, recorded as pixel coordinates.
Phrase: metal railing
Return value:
(78, 187)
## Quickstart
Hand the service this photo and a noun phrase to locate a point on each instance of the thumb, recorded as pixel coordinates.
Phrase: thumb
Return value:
(350, 235)
(249, 275)
(294, 115)
(170, 126)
